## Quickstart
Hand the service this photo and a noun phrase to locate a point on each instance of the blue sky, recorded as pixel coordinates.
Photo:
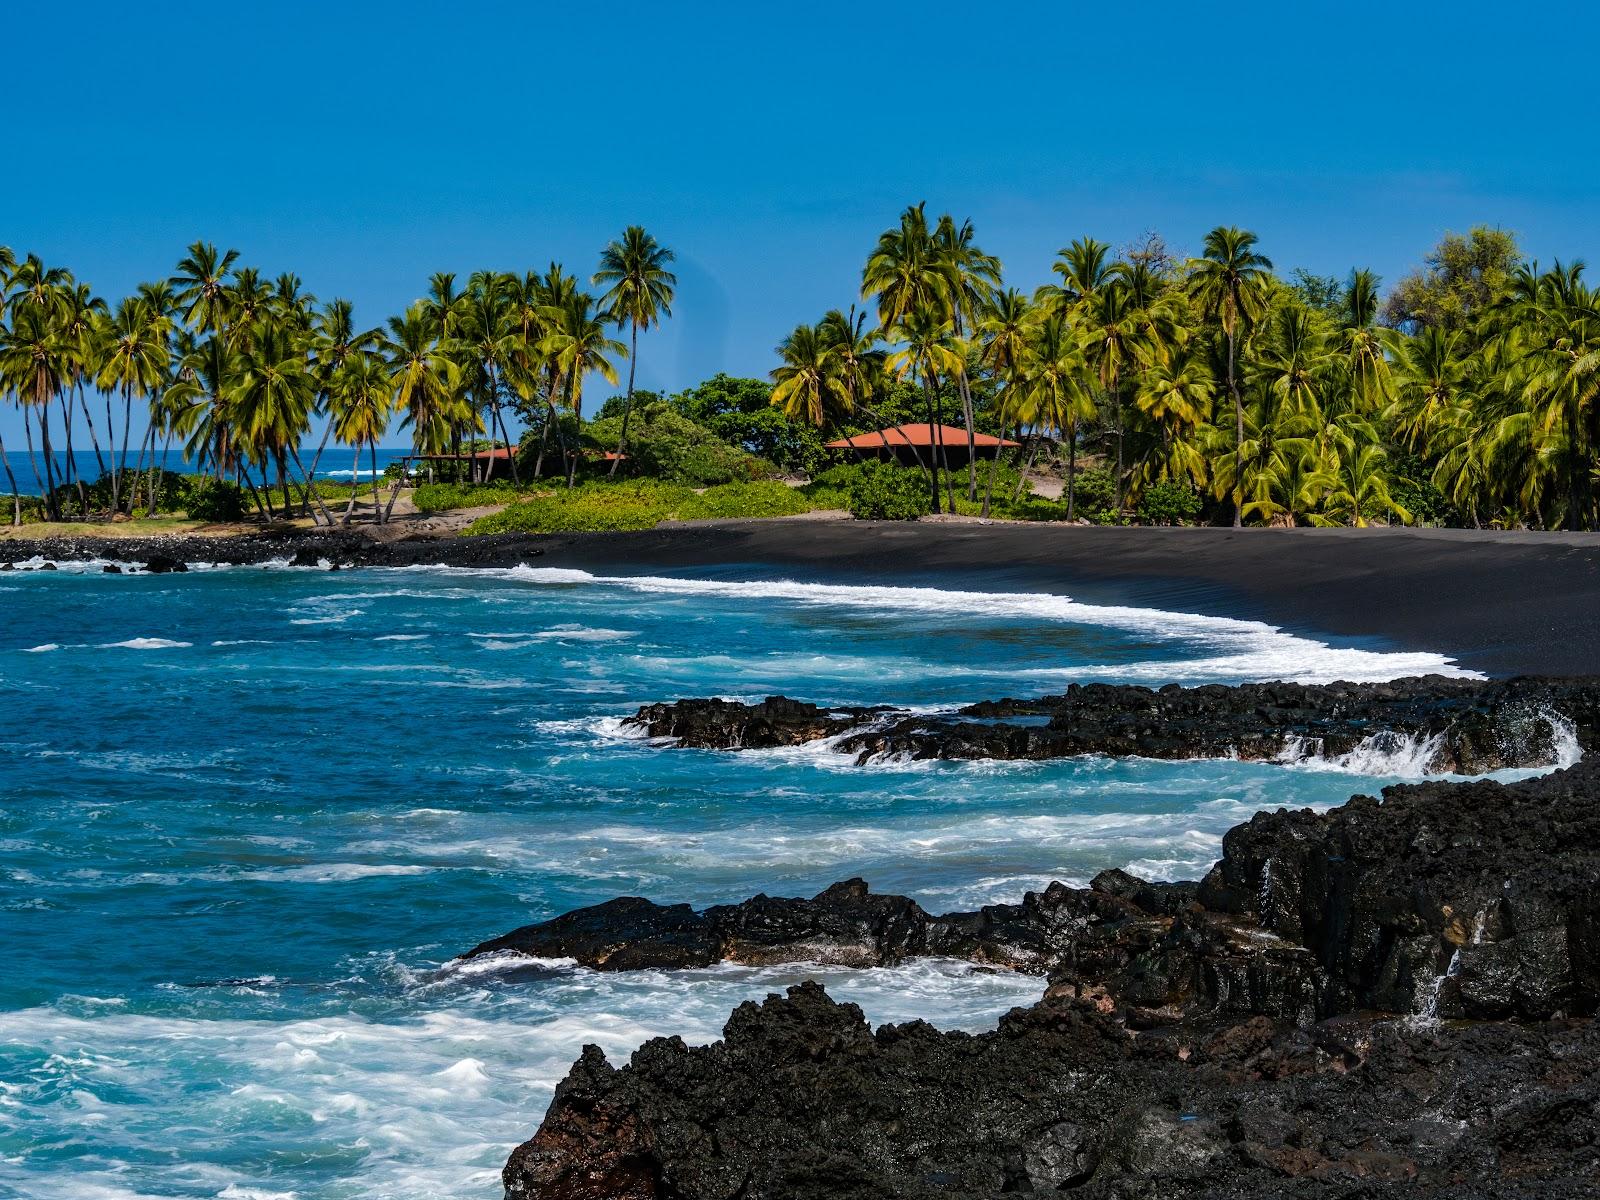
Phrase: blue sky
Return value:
(367, 145)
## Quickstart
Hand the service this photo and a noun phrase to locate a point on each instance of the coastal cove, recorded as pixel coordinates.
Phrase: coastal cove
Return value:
(298, 794)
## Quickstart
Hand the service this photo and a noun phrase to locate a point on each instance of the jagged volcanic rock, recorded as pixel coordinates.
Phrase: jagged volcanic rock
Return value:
(1471, 727)
(1194, 1040)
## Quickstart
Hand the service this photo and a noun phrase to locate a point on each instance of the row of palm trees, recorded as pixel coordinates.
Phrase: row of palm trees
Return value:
(238, 370)
(1215, 375)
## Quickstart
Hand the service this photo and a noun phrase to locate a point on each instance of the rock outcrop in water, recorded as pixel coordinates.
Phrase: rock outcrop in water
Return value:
(1459, 726)
(1278, 1029)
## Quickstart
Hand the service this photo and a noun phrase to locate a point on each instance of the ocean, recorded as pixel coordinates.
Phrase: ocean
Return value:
(251, 814)
(336, 464)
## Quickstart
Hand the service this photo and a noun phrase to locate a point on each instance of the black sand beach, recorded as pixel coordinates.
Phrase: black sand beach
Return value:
(1504, 603)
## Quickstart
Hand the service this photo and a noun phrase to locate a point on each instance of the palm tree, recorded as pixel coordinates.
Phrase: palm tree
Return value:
(360, 397)
(639, 294)
(577, 344)
(972, 276)
(272, 397)
(1176, 392)
(808, 384)
(34, 368)
(424, 382)
(201, 286)
(1003, 339)
(134, 357)
(925, 354)
(489, 340)
(1229, 284)
(1055, 398)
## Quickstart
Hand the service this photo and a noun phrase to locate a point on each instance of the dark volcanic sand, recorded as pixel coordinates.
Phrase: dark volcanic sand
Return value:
(1504, 603)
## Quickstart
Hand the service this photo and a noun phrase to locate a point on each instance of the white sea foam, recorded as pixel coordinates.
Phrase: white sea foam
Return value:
(44, 648)
(425, 1100)
(402, 637)
(146, 643)
(1240, 649)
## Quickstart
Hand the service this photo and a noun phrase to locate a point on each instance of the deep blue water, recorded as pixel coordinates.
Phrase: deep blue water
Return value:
(249, 815)
(337, 463)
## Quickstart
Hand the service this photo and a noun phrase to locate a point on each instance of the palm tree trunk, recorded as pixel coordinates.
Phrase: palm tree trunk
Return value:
(283, 482)
(373, 446)
(1238, 434)
(627, 406)
(933, 475)
(355, 486)
(263, 506)
(16, 498)
(111, 448)
(161, 479)
(311, 488)
(316, 458)
(127, 426)
(1072, 469)
(94, 439)
(994, 465)
(52, 501)
(33, 460)
(544, 439)
(138, 471)
(73, 474)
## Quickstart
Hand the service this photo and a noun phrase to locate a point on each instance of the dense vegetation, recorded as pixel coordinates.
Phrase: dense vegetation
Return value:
(1163, 388)
(236, 370)
(1211, 383)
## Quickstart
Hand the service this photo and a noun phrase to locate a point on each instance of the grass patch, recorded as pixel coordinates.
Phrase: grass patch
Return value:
(734, 500)
(592, 508)
(437, 497)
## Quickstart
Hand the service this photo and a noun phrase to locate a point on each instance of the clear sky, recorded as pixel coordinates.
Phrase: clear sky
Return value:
(365, 145)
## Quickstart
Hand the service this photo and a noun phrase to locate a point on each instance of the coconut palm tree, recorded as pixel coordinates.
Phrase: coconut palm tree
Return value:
(424, 381)
(134, 356)
(201, 286)
(578, 345)
(488, 340)
(639, 294)
(1056, 396)
(972, 276)
(1176, 392)
(808, 384)
(925, 355)
(360, 399)
(1229, 284)
(271, 398)
(1002, 340)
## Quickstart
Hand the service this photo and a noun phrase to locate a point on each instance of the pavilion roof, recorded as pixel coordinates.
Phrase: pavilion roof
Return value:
(919, 435)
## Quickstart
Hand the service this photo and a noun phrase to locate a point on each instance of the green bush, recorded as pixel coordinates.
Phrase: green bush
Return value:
(1167, 503)
(436, 497)
(730, 500)
(592, 508)
(881, 492)
(666, 445)
(1094, 493)
(209, 499)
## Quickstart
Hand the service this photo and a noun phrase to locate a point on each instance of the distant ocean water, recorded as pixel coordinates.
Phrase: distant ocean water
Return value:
(251, 814)
(337, 462)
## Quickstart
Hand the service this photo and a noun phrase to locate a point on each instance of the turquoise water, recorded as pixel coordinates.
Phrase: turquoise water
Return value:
(249, 815)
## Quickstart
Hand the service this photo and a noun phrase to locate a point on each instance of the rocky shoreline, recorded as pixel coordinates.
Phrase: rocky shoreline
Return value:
(1455, 726)
(1388, 999)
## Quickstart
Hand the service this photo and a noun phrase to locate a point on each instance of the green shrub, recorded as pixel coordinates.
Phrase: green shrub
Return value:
(666, 445)
(1167, 503)
(881, 492)
(1094, 494)
(436, 497)
(209, 499)
(730, 500)
(592, 508)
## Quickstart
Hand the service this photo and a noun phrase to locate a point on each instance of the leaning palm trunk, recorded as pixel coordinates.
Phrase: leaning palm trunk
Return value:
(16, 498)
(394, 492)
(311, 487)
(138, 472)
(544, 440)
(263, 506)
(94, 439)
(355, 486)
(317, 458)
(972, 437)
(74, 476)
(111, 449)
(944, 462)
